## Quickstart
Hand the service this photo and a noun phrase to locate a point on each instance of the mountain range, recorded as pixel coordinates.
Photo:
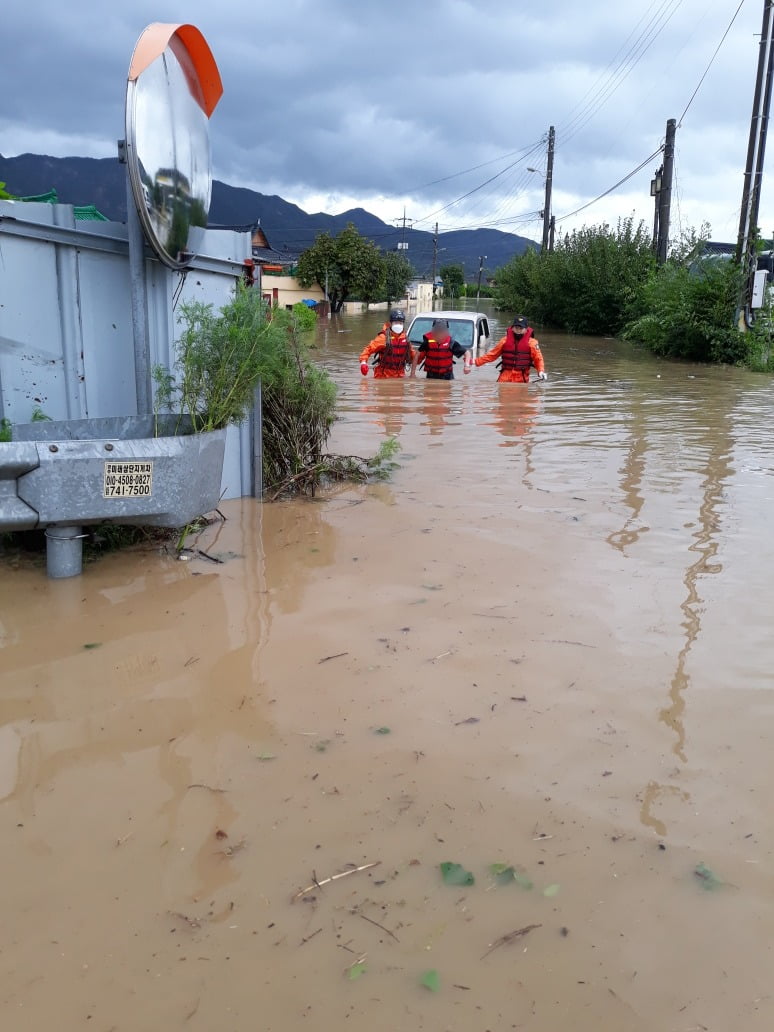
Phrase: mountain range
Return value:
(289, 229)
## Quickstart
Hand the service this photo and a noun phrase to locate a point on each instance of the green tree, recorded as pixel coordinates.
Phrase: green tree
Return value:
(688, 309)
(398, 274)
(592, 282)
(453, 277)
(350, 265)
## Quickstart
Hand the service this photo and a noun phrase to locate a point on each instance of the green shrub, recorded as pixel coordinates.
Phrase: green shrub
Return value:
(689, 312)
(305, 317)
(223, 356)
(590, 283)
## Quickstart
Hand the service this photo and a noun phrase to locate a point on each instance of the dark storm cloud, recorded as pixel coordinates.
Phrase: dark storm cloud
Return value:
(377, 102)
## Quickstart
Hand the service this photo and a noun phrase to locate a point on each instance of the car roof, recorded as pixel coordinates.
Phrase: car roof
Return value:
(450, 314)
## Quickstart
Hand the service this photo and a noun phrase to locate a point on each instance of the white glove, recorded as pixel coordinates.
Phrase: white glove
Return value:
(542, 376)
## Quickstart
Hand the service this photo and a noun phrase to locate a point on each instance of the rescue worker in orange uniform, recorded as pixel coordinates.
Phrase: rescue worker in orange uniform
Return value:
(519, 352)
(438, 352)
(391, 347)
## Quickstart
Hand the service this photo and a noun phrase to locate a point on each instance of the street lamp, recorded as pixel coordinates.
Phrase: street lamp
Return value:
(481, 260)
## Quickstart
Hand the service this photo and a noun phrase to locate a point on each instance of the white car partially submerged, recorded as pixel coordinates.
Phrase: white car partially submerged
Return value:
(471, 329)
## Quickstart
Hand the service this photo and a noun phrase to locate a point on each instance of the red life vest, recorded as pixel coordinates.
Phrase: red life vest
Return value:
(438, 357)
(516, 353)
(395, 354)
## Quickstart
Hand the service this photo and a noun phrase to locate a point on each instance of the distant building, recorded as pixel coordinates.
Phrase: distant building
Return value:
(275, 271)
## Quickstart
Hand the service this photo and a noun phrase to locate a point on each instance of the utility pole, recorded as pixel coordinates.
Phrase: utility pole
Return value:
(403, 245)
(655, 192)
(549, 182)
(435, 255)
(748, 222)
(481, 260)
(665, 193)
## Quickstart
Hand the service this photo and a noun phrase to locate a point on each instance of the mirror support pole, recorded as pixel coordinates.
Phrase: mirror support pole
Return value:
(142, 365)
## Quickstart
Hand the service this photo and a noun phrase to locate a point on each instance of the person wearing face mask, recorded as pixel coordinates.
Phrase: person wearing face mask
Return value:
(518, 351)
(390, 347)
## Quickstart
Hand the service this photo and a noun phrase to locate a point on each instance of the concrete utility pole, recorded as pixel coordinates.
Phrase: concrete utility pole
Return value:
(435, 255)
(549, 182)
(481, 260)
(748, 222)
(655, 192)
(665, 194)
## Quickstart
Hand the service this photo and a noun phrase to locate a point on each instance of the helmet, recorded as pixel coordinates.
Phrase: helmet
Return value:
(520, 322)
(397, 315)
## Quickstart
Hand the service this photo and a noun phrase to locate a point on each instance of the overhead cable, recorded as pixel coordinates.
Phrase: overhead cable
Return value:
(712, 61)
(615, 186)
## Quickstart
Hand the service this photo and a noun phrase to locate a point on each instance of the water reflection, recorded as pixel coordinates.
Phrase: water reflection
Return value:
(632, 473)
(435, 409)
(515, 412)
(383, 404)
(705, 542)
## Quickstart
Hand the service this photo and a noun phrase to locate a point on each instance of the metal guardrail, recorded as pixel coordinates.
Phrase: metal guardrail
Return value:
(137, 470)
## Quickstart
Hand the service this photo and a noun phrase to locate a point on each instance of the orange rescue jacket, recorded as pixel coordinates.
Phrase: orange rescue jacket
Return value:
(520, 355)
(392, 351)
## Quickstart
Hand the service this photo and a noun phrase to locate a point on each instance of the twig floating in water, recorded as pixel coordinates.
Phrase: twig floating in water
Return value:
(334, 877)
(336, 655)
(310, 937)
(371, 921)
(510, 937)
(206, 555)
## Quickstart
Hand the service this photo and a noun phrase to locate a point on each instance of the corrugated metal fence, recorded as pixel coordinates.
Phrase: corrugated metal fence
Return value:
(66, 338)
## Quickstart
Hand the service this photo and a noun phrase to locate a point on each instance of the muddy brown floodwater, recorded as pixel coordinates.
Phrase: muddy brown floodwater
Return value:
(545, 643)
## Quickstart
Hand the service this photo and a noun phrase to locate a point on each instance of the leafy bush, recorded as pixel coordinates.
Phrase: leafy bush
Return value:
(304, 316)
(689, 307)
(590, 283)
(221, 358)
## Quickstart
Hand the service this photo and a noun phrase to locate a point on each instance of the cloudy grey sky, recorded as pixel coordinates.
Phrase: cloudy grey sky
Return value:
(438, 107)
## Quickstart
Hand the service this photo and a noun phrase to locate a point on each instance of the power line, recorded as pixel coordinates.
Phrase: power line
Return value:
(475, 189)
(631, 59)
(615, 186)
(712, 61)
(475, 168)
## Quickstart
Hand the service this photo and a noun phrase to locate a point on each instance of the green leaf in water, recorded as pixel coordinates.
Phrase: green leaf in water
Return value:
(92, 644)
(266, 756)
(382, 731)
(455, 874)
(709, 880)
(356, 970)
(502, 873)
(506, 873)
(431, 980)
(551, 890)
(322, 745)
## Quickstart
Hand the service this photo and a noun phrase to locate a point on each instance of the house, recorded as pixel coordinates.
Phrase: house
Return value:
(277, 269)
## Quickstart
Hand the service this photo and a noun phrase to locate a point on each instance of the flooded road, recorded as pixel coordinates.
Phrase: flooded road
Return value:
(543, 644)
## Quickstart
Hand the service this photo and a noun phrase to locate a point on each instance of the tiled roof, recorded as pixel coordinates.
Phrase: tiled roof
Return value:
(268, 256)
